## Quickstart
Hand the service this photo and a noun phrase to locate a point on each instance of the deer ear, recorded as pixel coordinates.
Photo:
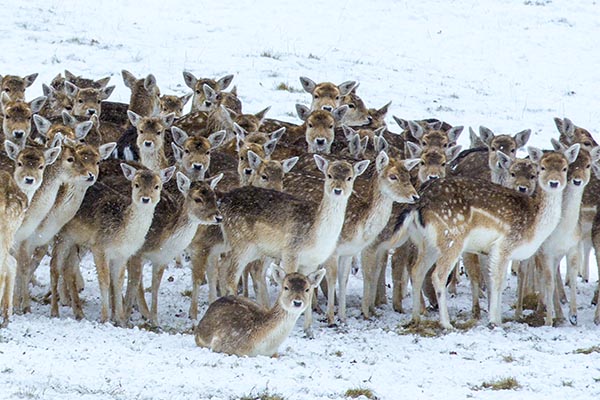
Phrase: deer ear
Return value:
(410, 163)
(414, 150)
(416, 130)
(557, 146)
(190, 80)
(454, 133)
(102, 82)
(254, 160)
(595, 154)
(338, 113)
(522, 137)
(183, 183)
(29, 79)
(354, 144)
(261, 114)
(179, 135)
(217, 138)
(167, 173)
(322, 163)
(177, 152)
(128, 79)
(269, 147)
(382, 161)
(278, 133)
(239, 131)
(382, 112)
(185, 98)
(381, 144)
(107, 149)
(475, 139)
(215, 180)
(569, 127)
(402, 123)
(12, 150)
(572, 152)
(42, 124)
(150, 82)
(289, 163)
(106, 92)
(133, 118)
(37, 104)
(535, 154)
(486, 135)
(82, 129)
(128, 171)
(453, 152)
(278, 274)
(361, 167)
(504, 161)
(68, 119)
(364, 142)
(168, 119)
(224, 82)
(316, 277)
(307, 84)
(52, 154)
(346, 87)
(302, 111)
(348, 132)
(71, 89)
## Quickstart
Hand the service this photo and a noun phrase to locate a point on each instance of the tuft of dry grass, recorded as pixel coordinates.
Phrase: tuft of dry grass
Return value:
(588, 350)
(264, 395)
(286, 87)
(509, 383)
(357, 392)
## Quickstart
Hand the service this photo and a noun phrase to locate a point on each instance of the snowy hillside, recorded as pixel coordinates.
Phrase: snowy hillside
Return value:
(508, 65)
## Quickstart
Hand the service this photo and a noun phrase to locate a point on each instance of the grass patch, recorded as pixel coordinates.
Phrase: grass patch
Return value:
(311, 56)
(508, 359)
(264, 395)
(432, 328)
(270, 54)
(567, 383)
(286, 87)
(500, 384)
(589, 350)
(357, 392)
(187, 293)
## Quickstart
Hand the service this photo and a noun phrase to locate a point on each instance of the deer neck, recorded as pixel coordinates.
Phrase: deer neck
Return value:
(154, 160)
(329, 219)
(549, 213)
(499, 175)
(42, 201)
(277, 326)
(571, 205)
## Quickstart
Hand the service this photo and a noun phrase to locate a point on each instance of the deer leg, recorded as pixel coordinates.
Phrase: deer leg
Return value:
(426, 257)
(103, 271)
(368, 264)
(331, 269)
(498, 266)
(134, 279)
(7, 291)
(559, 285)
(117, 281)
(574, 258)
(69, 270)
(157, 274)
(344, 267)
(439, 278)
(471, 263)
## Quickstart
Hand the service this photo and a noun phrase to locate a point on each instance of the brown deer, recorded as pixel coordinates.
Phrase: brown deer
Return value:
(326, 95)
(306, 232)
(197, 84)
(16, 122)
(237, 325)
(14, 86)
(57, 102)
(87, 101)
(59, 81)
(113, 226)
(318, 128)
(173, 104)
(145, 94)
(151, 138)
(192, 153)
(70, 128)
(457, 215)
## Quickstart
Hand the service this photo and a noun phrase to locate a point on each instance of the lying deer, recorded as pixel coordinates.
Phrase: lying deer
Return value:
(237, 325)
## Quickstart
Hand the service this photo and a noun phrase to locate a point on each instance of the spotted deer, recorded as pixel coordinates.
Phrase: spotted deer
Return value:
(70, 128)
(16, 121)
(150, 139)
(57, 102)
(249, 122)
(59, 81)
(87, 101)
(457, 215)
(306, 232)
(173, 104)
(192, 153)
(14, 86)
(318, 128)
(145, 94)
(237, 325)
(326, 95)
(197, 85)
(113, 225)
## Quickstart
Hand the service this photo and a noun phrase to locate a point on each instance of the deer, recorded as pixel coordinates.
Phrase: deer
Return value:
(58, 82)
(192, 153)
(145, 94)
(197, 85)
(57, 102)
(70, 128)
(87, 101)
(173, 104)
(326, 95)
(237, 325)
(457, 215)
(16, 123)
(306, 232)
(14, 86)
(113, 225)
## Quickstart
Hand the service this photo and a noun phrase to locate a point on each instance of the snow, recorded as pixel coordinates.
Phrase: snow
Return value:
(508, 65)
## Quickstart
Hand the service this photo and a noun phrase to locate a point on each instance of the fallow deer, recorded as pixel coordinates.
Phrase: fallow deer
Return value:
(15, 86)
(326, 95)
(145, 94)
(150, 139)
(197, 85)
(173, 104)
(57, 102)
(16, 123)
(192, 153)
(87, 101)
(237, 325)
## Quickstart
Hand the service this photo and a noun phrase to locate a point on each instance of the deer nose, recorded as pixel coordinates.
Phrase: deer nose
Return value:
(248, 171)
(145, 200)
(147, 143)
(320, 141)
(218, 219)
(297, 303)
(415, 197)
(432, 177)
(18, 134)
(29, 180)
(327, 108)
(91, 111)
(553, 184)
(91, 177)
(577, 182)
(198, 167)
(522, 189)
(337, 191)
(207, 103)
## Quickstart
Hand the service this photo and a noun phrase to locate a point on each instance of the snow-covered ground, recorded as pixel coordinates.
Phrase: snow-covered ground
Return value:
(505, 64)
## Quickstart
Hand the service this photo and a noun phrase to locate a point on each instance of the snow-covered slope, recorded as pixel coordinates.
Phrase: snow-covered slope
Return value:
(508, 65)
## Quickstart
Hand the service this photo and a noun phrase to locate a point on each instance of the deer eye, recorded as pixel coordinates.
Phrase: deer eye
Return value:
(242, 158)
(565, 169)
(7, 90)
(208, 153)
(493, 149)
(70, 159)
(186, 151)
(198, 200)
(141, 131)
(80, 101)
(330, 126)
(137, 186)
(310, 125)
(156, 187)
(422, 162)
(19, 164)
(512, 151)
(445, 145)
(349, 178)
(443, 164)
(512, 174)
(532, 177)
(543, 168)
(7, 117)
(68, 108)
(588, 166)
(264, 177)
(41, 167)
(316, 96)
(286, 288)
(197, 92)
(329, 176)
(588, 144)
(306, 290)
(394, 177)
(351, 105)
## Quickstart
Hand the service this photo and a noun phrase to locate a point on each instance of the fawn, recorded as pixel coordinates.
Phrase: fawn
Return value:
(459, 214)
(173, 104)
(16, 123)
(15, 86)
(87, 101)
(326, 95)
(237, 325)
(197, 84)
(145, 94)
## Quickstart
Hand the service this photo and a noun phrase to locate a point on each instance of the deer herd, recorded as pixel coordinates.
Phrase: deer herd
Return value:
(241, 194)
